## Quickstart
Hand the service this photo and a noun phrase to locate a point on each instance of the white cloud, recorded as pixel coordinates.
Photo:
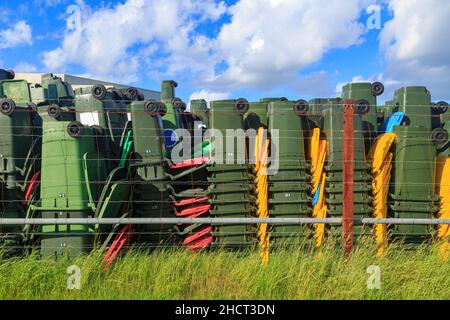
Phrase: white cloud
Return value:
(416, 44)
(209, 95)
(356, 79)
(102, 43)
(18, 34)
(389, 84)
(25, 67)
(267, 42)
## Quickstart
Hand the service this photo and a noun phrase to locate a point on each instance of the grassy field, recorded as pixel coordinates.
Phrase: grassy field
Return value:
(176, 274)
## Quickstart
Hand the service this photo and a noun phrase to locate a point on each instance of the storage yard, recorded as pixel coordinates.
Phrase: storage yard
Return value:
(130, 187)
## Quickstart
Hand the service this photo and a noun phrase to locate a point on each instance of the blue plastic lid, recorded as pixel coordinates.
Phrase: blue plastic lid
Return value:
(170, 137)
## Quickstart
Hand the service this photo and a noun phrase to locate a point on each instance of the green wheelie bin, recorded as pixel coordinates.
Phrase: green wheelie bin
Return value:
(71, 168)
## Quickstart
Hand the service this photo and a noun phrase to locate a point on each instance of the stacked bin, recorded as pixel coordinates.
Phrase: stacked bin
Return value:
(231, 189)
(67, 185)
(441, 126)
(58, 92)
(18, 157)
(170, 119)
(365, 97)
(106, 111)
(289, 182)
(200, 111)
(187, 187)
(150, 195)
(162, 188)
(332, 129)
(412, 193)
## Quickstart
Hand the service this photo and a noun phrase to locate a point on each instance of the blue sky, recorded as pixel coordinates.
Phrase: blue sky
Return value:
(241, 48)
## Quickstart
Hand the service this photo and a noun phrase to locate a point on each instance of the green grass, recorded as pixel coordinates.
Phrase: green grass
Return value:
(177, 274)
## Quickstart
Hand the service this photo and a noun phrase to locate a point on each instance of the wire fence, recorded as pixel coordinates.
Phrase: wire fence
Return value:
(154, 193)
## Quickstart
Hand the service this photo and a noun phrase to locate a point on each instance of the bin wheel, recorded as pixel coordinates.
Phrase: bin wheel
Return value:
(75, 129)
(99, 91)
(132, 93)
(151, 107)
(7, 106)
(439, 136)
(440, 107)
(177, 104)
(362, 106)
(301, 107)
(377, 88)
(162, 109)
(11, 74)
(241, 106)
(54, 111)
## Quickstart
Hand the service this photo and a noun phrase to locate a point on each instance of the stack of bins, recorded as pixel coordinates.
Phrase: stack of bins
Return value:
(67, 185)
(365, 97)
(231, 189)
(333, 131)
(17, 156)
(187, 187)
(170, 119)
(106, 111)
(59, 92)
(441, 125)
(163, 189)
(412, 193)
(289, 182)
(200, 111)
(150, 194)
(255, 124)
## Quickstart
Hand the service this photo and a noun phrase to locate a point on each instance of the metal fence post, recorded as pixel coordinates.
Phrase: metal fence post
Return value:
(348, 175)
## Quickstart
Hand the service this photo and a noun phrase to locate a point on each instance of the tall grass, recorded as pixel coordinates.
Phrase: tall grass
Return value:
(177, 274)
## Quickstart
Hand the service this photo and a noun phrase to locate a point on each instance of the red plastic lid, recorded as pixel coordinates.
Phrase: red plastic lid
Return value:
(189, 163)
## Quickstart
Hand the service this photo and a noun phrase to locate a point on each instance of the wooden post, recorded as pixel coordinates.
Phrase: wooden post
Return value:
(348, 176)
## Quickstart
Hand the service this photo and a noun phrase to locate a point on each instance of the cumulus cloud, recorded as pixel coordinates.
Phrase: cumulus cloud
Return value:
(209, 95)
(18, 34)
(102, 40)
(265, 43)
(415, 44)
(268, 42)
